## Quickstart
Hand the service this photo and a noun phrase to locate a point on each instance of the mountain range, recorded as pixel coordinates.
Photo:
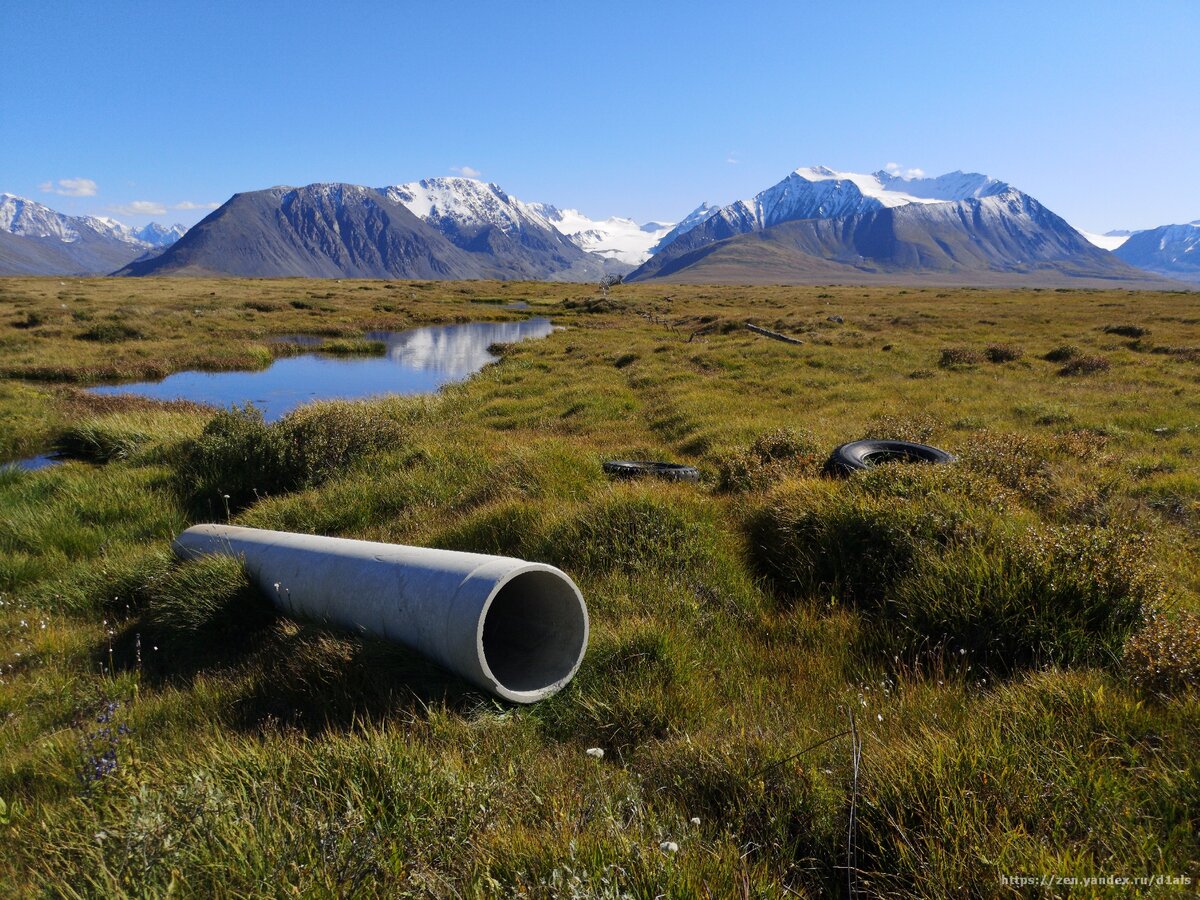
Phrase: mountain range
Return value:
(37, 240)
(816, 225)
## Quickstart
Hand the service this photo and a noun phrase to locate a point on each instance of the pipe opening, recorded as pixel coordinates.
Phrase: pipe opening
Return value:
(534, 632)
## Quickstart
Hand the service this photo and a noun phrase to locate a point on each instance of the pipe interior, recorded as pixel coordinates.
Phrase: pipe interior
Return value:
(534, 632)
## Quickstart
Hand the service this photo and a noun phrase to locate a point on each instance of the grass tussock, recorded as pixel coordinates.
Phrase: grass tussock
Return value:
(353, 347)
(769, 457)
(121, 435)
(211, 596)
(935, 572)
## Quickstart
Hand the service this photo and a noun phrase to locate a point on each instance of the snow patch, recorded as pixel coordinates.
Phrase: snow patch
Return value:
(1105, 241)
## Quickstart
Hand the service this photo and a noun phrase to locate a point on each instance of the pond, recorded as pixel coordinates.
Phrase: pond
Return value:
(416, 361)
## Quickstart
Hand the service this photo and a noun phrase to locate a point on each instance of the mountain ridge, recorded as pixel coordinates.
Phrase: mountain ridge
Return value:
(959, 225)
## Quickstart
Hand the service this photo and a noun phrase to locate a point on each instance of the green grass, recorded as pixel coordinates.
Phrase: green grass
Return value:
(1010, 642)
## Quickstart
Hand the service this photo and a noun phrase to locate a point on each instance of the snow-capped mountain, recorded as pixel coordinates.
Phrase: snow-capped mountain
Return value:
(38, 240)
(1172, 250)
(157, 235)
(28, 218)
(697, 216)
(822, 223)
(821, 193)
(460, 206)
(613, 238)
(482, 218)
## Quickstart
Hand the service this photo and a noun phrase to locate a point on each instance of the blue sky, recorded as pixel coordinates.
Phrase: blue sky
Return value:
(641, 109)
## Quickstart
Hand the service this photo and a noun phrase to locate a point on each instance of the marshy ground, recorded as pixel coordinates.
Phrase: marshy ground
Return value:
(917, 681)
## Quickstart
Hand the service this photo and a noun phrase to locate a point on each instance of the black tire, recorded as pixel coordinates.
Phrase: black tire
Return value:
(638, 468)
(858, 455)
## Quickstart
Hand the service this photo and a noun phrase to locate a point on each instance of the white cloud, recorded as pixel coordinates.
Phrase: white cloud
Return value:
(732, 158)
(188, 204)
(901, 172)
(466, 171)
(139, 208)
(70, 187)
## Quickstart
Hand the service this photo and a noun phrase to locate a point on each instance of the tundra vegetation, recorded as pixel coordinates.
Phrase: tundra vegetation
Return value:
(914, 681)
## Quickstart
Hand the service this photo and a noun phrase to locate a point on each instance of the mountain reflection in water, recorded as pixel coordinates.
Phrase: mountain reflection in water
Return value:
(417, 361)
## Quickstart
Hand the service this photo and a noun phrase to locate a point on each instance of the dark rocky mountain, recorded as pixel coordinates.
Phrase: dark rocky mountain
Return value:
(318, 231)
(956, 229)
(1170, 250)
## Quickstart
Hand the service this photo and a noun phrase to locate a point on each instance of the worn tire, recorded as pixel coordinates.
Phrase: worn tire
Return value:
(858, 455)
(639, 468)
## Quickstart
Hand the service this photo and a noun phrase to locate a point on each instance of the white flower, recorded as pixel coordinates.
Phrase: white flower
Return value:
(695, 820)
(879, 716)
(669, 847)
(596, 752)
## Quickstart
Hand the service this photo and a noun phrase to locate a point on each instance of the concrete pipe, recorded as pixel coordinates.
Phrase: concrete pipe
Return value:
(516, 629)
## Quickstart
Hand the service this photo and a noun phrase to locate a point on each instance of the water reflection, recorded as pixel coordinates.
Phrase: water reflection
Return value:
(417, 361)
(33, 463)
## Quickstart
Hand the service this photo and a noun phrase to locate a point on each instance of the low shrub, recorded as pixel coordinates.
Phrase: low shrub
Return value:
(1132, 331)
(1000, 353)
(110, 333)
(1163, 656)
(1062, 353)
(262, 306)
(919, 428)
(771, 456)
(1085, 365)
(955, 357)
(239, 457)
(1191, 354)
(31, 320)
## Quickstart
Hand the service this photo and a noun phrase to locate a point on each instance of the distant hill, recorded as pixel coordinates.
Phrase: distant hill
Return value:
(1170, 250)
(37, 240)
(819, 224)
